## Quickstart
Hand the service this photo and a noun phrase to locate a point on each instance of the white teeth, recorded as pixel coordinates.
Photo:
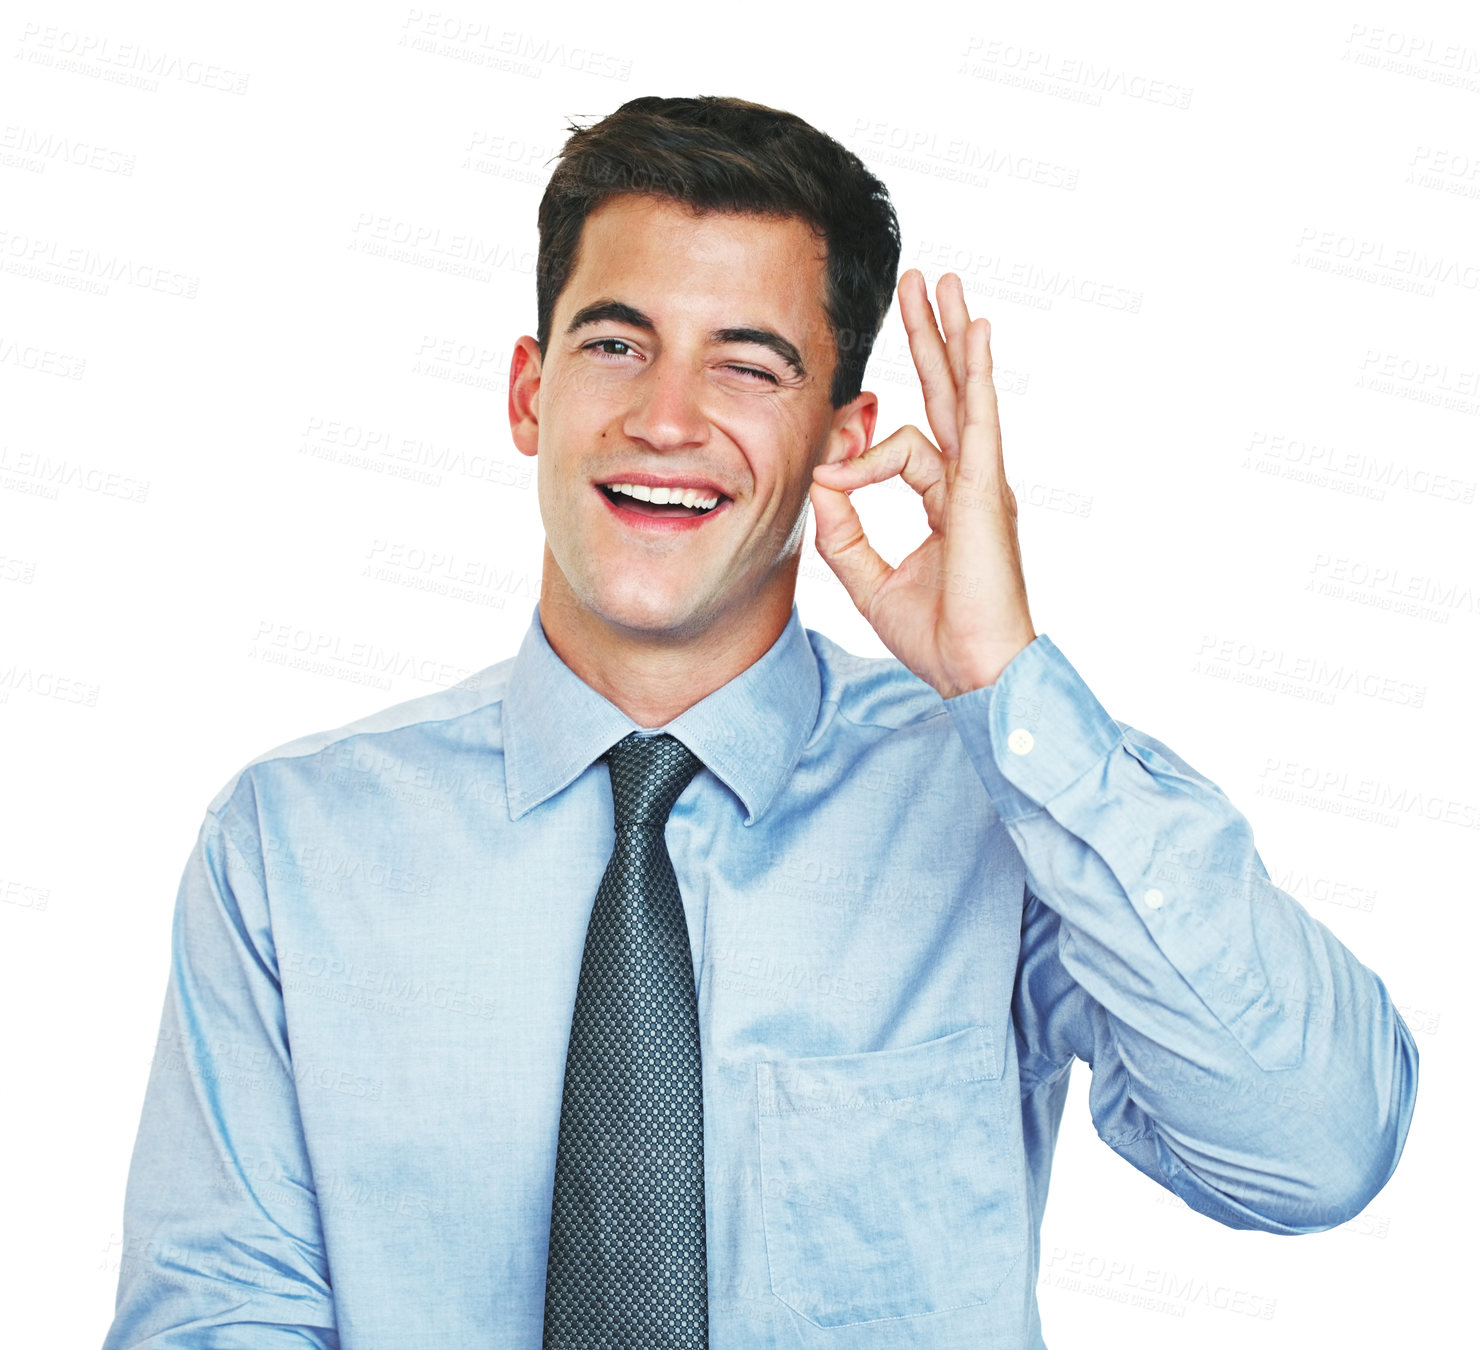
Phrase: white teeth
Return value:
(660, 496)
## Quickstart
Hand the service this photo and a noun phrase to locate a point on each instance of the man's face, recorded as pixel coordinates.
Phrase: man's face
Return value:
(686, 351)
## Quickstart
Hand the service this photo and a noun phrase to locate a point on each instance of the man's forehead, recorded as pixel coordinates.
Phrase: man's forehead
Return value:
(772, 266)
(671, 213)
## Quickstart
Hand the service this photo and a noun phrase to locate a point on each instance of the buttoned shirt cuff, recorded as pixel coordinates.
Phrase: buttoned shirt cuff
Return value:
(1035, 732)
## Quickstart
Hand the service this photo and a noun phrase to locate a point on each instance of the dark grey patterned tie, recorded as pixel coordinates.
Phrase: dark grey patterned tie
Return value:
(627, 1263)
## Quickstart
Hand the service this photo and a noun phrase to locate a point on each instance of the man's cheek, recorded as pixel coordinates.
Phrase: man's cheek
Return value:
(785, 428)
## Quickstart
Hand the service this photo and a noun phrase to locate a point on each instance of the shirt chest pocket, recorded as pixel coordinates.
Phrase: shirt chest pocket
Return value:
(893, 1183)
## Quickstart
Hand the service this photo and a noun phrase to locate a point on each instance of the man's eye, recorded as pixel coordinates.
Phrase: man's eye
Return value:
(759, 374)
(607, 346)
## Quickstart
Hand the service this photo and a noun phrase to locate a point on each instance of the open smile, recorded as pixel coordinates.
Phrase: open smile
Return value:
(643, 506)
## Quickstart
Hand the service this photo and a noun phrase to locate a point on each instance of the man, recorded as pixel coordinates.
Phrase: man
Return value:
(684, 980)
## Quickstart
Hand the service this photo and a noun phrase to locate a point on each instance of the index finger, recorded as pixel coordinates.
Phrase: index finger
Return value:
(933, 366)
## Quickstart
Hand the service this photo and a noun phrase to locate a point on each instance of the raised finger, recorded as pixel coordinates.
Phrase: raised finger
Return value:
(928, 349)
(950, 295)
(981, 433)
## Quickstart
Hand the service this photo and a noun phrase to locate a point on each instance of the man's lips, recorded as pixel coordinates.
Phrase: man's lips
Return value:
(666, 516)
(645, 516)
(704, 486)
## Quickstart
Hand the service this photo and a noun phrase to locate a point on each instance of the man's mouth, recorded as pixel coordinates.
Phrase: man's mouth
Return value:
(673, 503)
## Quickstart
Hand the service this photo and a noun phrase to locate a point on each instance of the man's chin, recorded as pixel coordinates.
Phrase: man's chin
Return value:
(651, 614)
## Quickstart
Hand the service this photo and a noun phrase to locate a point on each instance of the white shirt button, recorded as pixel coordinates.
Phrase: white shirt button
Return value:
(1021, 741)
(1154, 899)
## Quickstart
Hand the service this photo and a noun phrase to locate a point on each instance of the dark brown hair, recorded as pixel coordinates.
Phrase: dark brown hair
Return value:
(724, 154)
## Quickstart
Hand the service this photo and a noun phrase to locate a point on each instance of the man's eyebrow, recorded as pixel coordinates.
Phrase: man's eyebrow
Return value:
(610, 311)
(617, 311)
(764, 337)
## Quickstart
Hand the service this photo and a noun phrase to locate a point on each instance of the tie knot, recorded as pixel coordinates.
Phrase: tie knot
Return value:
(649, 773)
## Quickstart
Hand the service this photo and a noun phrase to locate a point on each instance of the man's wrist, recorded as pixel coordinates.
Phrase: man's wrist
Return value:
(1034, 732)
(986, 672)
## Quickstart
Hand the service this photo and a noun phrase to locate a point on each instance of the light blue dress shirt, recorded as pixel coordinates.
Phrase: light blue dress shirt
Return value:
(908, 917)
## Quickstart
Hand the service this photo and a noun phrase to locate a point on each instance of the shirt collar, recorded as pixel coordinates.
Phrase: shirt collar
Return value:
(749, 732)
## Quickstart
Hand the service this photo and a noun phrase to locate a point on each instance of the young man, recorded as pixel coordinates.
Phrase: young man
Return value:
(690, 980)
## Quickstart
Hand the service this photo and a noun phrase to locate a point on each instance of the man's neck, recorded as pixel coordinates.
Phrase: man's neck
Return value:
(653, 679)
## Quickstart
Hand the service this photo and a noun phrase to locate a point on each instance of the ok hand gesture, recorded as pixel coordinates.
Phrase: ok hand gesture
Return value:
(955, 611)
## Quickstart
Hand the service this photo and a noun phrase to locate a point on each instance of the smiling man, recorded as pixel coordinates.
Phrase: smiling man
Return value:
(682, 398)
(684, 980)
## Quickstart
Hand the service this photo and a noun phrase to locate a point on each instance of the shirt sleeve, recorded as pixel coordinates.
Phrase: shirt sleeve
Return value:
(222, 1247)
(1240, 1055)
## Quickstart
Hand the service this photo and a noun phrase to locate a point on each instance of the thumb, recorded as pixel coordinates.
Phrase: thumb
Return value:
(844, 546)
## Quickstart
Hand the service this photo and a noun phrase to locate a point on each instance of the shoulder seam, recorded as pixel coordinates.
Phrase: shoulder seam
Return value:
(883, 726)
(271, 758)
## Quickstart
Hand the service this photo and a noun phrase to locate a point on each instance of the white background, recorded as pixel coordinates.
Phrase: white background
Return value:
(1226, 438)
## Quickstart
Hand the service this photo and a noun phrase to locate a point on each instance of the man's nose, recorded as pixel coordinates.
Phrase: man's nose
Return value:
(666, 410)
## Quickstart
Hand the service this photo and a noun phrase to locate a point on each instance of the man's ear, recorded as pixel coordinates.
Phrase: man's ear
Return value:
(524, 395)
(852, 429)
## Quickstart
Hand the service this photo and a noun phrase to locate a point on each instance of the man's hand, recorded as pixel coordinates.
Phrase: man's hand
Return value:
(955, 612)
